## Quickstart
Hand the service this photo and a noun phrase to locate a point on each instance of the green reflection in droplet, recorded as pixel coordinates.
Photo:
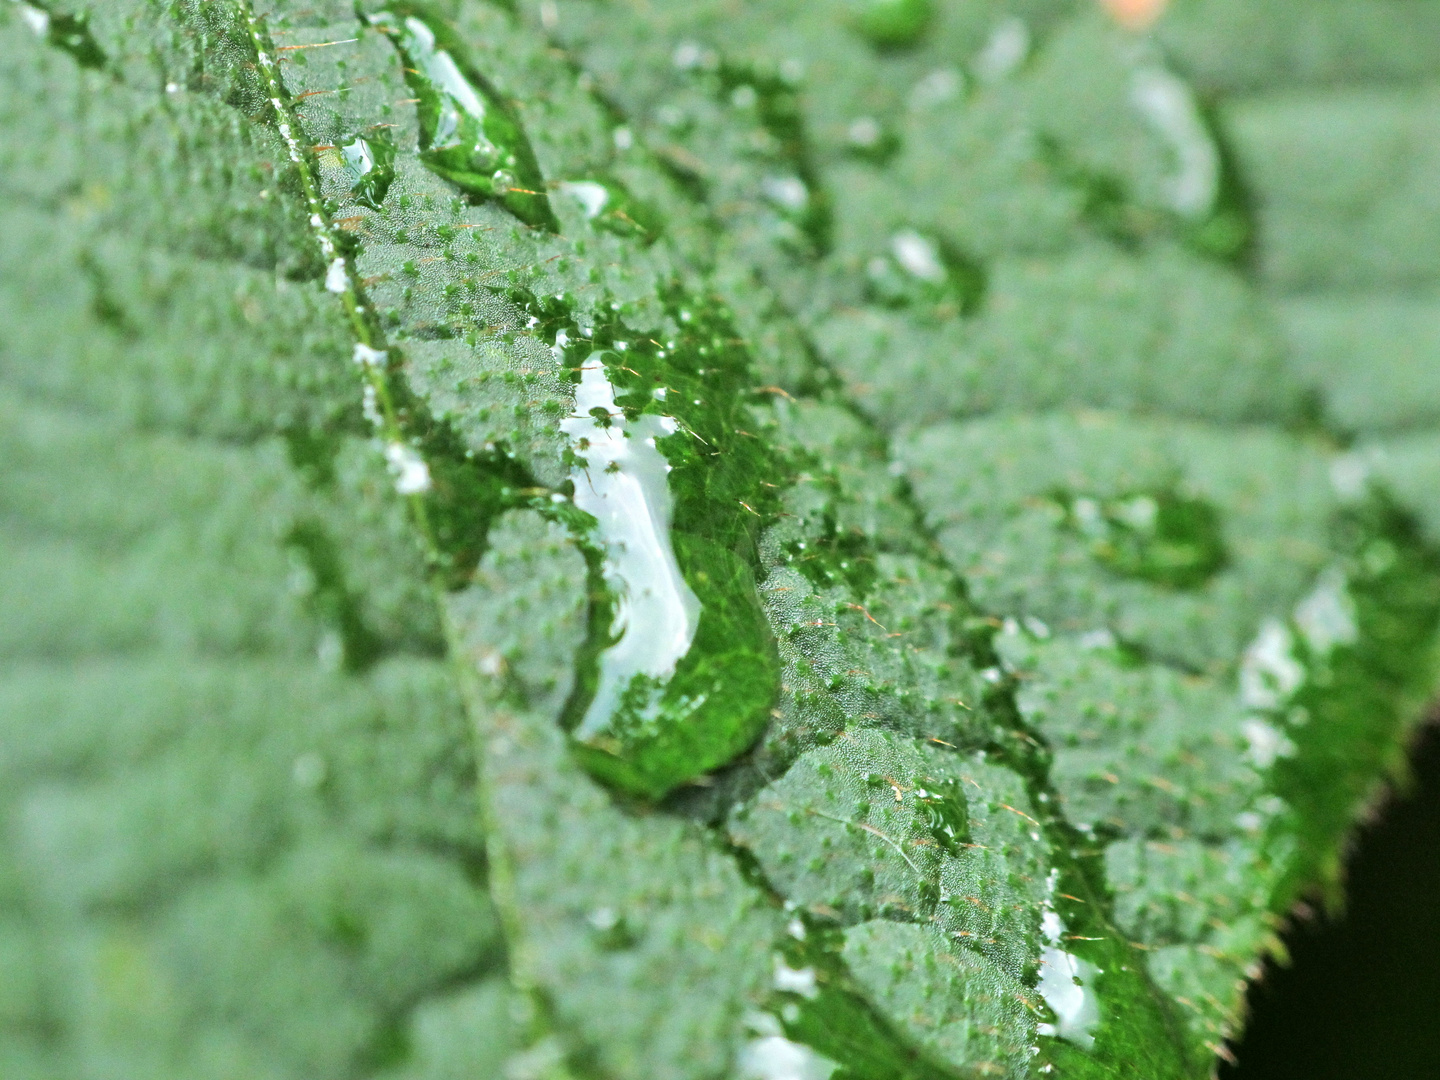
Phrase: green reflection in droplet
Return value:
(1162, 536)
(926, 272)
(609, 205)
(468, 134)
(795, 190)
(681, 669)
(370, 162)
(942, 806)
(69, 33)
(892, 24)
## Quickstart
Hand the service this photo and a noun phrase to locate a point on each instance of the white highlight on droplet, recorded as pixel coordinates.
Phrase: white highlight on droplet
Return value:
(775, 1057)
(1066, 984)
(624, 484)
(687, 55)
(37, 20)
(918, 255)
(786, 192)
(939, 86)
(790, 980)
(412, 475)
(1004, 51)
(367, 357)
(1265, 742)
(591, 196)
(337, 279)
(864, 132)
(441, 69)
(1348, 476)
(1326, 618)
(1269, 672)
(370, 405)
(1168, 105)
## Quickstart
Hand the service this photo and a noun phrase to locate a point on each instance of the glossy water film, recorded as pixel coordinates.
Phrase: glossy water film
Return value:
(468, 135)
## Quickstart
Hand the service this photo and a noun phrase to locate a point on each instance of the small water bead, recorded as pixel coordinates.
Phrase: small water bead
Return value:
(867, 138)
(369, 159)
(1162, 536)
(936, 88)
(1169, 106)
(608, 204)
(789, 193)
(923, 270)
(1005, 50)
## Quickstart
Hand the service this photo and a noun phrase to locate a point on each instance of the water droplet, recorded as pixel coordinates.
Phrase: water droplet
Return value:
(1326, 618)
(468, 134)
(69, 33)
(370, 161)
(1349, 473)
(621, 482)
(790, 980)
(936, 88)
(787, 192)
(744, 96)
(1170, 108)
(1269, 672)
(941, 804)
(922, 270)
(774, 1057)
(892, 24)
(1004, 51)
(1161, 536)
(609, 205)
(412, 475)
(1067, 985)
(685, 672)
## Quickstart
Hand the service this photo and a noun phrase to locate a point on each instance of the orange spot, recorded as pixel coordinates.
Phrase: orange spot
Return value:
(1134, 14)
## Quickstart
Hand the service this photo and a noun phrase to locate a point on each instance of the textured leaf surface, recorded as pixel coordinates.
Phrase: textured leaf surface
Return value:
(1027, 448)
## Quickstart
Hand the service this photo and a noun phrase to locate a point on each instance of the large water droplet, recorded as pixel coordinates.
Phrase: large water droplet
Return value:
(684, 669)
(1067, 985)
(620, 480)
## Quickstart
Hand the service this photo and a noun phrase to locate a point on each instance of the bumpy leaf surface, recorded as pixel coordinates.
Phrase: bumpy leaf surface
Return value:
(862, 539)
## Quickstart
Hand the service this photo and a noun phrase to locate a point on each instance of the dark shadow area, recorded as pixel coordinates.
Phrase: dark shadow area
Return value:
(1361, 999)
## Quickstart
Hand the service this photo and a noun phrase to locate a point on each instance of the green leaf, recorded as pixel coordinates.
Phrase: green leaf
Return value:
(570, 540)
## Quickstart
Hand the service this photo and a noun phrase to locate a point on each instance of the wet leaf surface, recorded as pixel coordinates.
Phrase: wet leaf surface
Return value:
(600, 541)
